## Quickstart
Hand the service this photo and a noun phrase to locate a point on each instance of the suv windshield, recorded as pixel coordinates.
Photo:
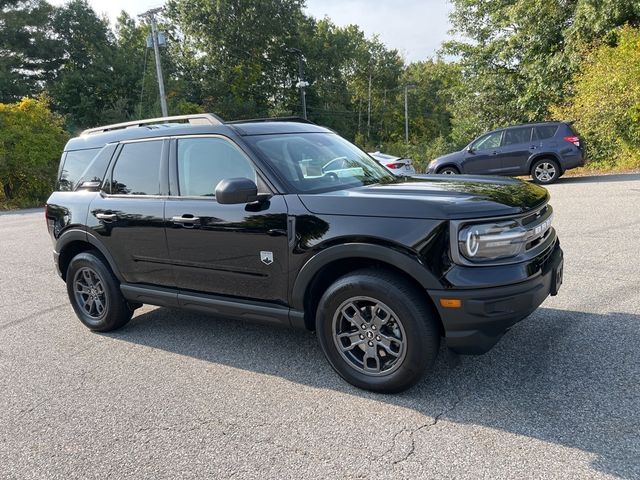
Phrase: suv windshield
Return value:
(315, 162)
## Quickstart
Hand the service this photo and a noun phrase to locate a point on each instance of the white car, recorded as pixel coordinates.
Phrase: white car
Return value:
(396, 165)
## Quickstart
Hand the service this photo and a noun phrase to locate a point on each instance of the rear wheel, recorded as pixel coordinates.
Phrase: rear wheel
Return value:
(545, 171)
(377, 330)
(95, 294)
(449, 171)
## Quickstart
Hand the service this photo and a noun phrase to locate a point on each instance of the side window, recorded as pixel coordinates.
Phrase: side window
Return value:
(74, 164)
(514, 136)
(545, 131)
(137, 170)
(204, 162)
(490, 141)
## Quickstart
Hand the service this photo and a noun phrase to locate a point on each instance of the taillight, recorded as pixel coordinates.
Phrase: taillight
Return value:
(573, 139)
(394, 166)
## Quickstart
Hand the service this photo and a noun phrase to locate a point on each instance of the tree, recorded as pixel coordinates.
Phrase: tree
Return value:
(29, 50)
(606, 104)
(31, 139)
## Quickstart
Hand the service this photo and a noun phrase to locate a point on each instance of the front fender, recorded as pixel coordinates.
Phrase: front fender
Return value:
(406, 261)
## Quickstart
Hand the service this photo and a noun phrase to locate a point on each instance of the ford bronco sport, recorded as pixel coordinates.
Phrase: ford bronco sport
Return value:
(257, 220)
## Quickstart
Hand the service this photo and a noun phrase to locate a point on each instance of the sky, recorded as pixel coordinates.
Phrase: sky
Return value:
(416, 28)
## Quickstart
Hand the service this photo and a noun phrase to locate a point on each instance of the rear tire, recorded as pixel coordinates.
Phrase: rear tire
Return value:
(95, 295)
(449, 171)
(377, 330)
(545, 171)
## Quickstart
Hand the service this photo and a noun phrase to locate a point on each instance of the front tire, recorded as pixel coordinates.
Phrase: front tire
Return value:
(449, 171)
(545, 171)
(377, 330)
(95, 294)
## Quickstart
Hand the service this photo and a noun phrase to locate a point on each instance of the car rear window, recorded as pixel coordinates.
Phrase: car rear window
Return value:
(545, 131)
(73, 166)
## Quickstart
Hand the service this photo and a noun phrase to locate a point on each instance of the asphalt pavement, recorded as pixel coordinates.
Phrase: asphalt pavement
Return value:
(183, 395)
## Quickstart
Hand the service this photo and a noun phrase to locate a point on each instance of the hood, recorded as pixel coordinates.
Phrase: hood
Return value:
(438, 197)
(450, 157)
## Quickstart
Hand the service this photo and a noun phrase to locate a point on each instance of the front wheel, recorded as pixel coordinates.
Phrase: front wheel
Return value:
(545, 171)
(377, 330)
(448, 171)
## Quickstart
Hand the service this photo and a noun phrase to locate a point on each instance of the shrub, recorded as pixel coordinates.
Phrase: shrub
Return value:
(31, 140)
(606, 103)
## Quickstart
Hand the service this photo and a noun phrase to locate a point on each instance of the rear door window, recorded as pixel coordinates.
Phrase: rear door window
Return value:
(545, 131)
(75, 163)
(137, 170)
(515, 136)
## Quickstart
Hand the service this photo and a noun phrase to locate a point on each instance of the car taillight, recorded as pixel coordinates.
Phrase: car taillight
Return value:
(573, 139)
(395, 165)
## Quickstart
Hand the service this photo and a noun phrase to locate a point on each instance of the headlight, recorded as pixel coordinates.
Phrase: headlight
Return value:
(492, 241)
(431, 164)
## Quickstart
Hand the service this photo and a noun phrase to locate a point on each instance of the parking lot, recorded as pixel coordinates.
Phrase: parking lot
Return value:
(182, 395)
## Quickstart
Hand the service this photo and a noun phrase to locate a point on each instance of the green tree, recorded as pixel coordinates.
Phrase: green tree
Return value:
(606, 104)
(31, 139)
(30, 52)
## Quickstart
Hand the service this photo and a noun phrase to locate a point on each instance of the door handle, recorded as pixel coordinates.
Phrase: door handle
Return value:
(108, 217)
(494, 153)
(187, 221)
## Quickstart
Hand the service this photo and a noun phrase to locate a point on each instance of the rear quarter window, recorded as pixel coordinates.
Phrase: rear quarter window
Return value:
(74, 163)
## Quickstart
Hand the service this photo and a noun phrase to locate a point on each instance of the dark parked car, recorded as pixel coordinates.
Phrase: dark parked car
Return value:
(543, 150)
(241, 219)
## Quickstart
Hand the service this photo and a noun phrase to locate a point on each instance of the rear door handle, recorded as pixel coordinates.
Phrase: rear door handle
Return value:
(187, 221)
(109, 217)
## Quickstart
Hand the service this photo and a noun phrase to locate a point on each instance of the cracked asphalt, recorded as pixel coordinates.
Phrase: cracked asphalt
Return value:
(183, 395)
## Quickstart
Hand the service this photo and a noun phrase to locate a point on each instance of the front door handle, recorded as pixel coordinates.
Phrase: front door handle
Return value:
(187, 221)
(109, 217)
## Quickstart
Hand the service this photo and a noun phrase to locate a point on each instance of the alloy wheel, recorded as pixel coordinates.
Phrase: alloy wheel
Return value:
(369, 336)
(545, 172)
(89, 291)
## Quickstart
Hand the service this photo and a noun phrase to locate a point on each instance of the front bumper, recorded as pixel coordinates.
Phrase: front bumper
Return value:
(486, 314)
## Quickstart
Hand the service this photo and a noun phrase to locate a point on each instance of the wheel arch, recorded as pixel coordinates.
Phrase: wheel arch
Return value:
(74, 242)
(450, 165)
(330, 264)
(541, 156)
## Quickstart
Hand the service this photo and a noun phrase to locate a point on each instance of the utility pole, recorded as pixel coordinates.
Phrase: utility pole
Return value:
(406, 112)
(150, 15)
(302, 84)
(369, 109)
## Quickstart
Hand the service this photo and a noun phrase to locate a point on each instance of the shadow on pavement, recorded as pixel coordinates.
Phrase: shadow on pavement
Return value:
(565, 377)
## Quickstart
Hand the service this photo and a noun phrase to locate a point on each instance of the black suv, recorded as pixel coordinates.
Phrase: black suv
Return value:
(543, 150)
(258, 220)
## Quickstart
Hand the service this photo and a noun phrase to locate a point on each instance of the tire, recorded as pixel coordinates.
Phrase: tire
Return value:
(403, 315)
(545, 171)
(95, 295)
(449, 171)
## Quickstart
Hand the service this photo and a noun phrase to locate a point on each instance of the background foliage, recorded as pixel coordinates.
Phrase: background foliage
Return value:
(508, 61)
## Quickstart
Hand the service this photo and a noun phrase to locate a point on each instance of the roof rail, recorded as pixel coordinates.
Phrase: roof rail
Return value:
(194, 119)
(274, 119)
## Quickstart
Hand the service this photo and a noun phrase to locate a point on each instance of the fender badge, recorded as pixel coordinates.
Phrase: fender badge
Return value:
(266, 257)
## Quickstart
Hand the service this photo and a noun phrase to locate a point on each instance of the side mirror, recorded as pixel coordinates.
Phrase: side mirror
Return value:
(236, 190)
(470, 150)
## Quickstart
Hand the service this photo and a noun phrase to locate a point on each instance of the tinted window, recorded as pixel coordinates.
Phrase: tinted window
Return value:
(204, 162)
(490, 141)
(74, 164)
(137, 171)
(514, 136)
(546, 131)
